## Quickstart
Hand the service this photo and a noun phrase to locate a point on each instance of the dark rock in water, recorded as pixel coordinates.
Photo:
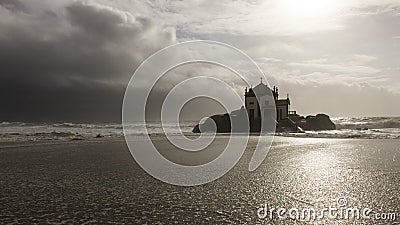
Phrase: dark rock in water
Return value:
(196, 129)
(216, 123)
(318, 122)
(222, 124)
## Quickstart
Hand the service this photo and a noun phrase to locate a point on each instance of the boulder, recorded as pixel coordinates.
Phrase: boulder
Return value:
(222, 124)
(214, 124)
(317, 123)
(196, 129)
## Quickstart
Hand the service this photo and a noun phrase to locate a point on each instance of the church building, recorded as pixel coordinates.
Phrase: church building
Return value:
(255, 108)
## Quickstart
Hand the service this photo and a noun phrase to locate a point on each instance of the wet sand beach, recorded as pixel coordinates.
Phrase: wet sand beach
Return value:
(98, 182)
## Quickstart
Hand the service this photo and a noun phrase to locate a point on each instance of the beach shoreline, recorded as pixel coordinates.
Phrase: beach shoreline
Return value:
(99, 181)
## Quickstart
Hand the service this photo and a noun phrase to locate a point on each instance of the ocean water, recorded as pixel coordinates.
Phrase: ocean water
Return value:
(359, 127)
(19, 131)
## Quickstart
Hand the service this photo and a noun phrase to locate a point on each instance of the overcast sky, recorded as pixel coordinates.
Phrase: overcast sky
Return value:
(71, 60)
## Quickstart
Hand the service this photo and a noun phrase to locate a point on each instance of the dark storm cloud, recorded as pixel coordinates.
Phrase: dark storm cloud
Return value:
(70, 62)
(13, 5)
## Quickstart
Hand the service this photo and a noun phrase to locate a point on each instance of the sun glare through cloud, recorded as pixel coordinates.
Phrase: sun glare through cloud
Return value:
(308, 14)
(308, 9)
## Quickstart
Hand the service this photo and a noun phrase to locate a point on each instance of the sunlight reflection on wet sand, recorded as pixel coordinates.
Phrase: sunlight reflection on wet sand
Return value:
(100, 182)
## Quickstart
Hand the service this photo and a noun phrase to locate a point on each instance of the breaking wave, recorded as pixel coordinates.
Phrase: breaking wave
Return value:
(359, 127)
(19, 131)
(364, 123)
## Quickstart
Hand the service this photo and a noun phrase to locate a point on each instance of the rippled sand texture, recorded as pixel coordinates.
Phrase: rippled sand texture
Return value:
(99, 182)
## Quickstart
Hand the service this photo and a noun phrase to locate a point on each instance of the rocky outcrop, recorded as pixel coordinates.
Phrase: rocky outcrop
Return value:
(222, 124)
(218, 123)
(316, 123)
(196, 129)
